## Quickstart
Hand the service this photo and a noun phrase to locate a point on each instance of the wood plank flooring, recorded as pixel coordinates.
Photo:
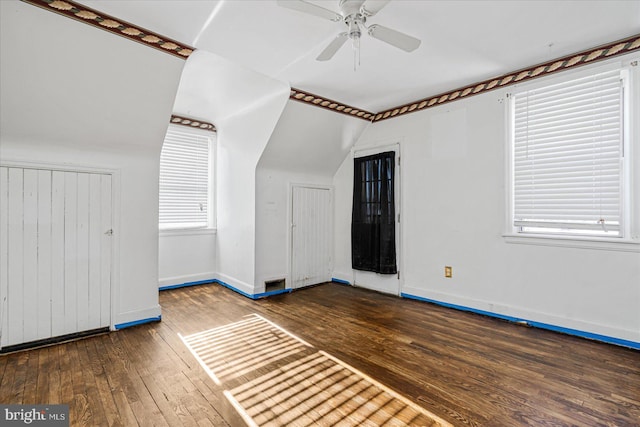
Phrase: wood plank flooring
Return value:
(276, 379)
(403, 356)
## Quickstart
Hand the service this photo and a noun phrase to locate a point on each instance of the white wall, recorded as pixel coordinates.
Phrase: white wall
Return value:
(241, 140)
(185, 257)
(306, 147)
(265, 142)
(78, 97)
(453, 203)
(273, 222)
(245, 107)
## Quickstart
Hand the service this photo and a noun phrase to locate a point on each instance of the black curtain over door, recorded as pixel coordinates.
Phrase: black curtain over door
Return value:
(373, 226)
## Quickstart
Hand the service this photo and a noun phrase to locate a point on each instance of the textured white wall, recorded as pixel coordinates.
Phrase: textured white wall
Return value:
(306, 147)
(273, 221)
(245, 107)
(75, 96)
(186, 257)
(454, 204)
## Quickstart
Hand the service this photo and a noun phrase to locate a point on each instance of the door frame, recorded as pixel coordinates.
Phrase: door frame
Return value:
(377, 148)
(293, 185)
(115, 220)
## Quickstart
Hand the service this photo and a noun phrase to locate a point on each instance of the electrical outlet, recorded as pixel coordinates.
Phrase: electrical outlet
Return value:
(448, 271)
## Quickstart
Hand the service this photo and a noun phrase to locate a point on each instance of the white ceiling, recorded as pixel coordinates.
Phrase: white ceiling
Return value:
(463, 42)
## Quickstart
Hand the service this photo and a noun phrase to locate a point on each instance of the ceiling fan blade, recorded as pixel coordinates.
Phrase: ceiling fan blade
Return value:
(371, 7)
(311, 9)
(333, 47)
(395, 38)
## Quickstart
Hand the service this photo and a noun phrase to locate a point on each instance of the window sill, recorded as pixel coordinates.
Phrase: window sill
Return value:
(187, 232)
(604, 243)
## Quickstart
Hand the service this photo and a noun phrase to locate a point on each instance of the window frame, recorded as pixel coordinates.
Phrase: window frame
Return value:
(210, 228)
(630, 201)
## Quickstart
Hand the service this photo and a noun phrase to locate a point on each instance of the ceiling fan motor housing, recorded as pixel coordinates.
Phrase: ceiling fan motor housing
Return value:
(354, 13)
(350, 7)
(353, 18)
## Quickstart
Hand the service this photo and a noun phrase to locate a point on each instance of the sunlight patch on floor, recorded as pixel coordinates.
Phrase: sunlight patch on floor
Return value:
(274, 378)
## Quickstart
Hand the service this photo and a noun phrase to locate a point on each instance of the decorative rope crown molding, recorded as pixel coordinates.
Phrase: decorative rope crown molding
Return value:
(114, 25)
(109, 23)
(620, 47)
(192, 123)
(319, 101)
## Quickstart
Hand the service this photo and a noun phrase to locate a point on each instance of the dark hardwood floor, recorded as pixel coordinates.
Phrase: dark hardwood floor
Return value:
(373, 358)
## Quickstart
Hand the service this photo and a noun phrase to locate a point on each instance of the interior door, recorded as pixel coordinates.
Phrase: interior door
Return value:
(55, 253)
(311, 236)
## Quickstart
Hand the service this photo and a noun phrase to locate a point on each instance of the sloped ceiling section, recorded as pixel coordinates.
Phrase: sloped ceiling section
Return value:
(114, 25)
(154, 40)
(67, 82)
(586, 57)
(217, 88)
(308, 141)
(151, 39)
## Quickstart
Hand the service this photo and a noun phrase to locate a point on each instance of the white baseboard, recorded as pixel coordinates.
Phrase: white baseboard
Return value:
(188, 278)
(201, 278)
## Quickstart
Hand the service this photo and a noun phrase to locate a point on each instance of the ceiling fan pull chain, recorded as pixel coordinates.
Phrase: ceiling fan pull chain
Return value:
(356, 53)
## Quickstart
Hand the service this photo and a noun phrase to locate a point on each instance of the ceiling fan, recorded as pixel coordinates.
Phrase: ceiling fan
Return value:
(354, 13)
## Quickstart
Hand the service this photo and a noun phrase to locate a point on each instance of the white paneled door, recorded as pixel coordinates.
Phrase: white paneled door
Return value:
(55, 253)
(311, 236)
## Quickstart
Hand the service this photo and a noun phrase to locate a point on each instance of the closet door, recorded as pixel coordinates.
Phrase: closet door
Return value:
(55, 253)
(311, 236)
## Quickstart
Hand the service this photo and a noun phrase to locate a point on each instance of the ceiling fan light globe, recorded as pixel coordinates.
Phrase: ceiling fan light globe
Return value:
(354, 30)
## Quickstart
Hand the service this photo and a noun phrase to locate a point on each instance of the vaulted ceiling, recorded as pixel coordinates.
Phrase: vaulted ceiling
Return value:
(463, 42)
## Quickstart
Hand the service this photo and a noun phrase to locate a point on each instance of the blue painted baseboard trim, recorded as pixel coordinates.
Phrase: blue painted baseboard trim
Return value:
(137, 322)
(540, 325)
(184, 285)
(340, 281)
(226, 285)
(252, 296)
(270, 293)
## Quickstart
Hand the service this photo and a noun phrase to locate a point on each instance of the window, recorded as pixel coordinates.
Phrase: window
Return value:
(186, 179)
(568, 166)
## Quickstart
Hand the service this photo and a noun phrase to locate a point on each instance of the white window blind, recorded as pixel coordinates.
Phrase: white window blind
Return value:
(184, 179)
(567, 156)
